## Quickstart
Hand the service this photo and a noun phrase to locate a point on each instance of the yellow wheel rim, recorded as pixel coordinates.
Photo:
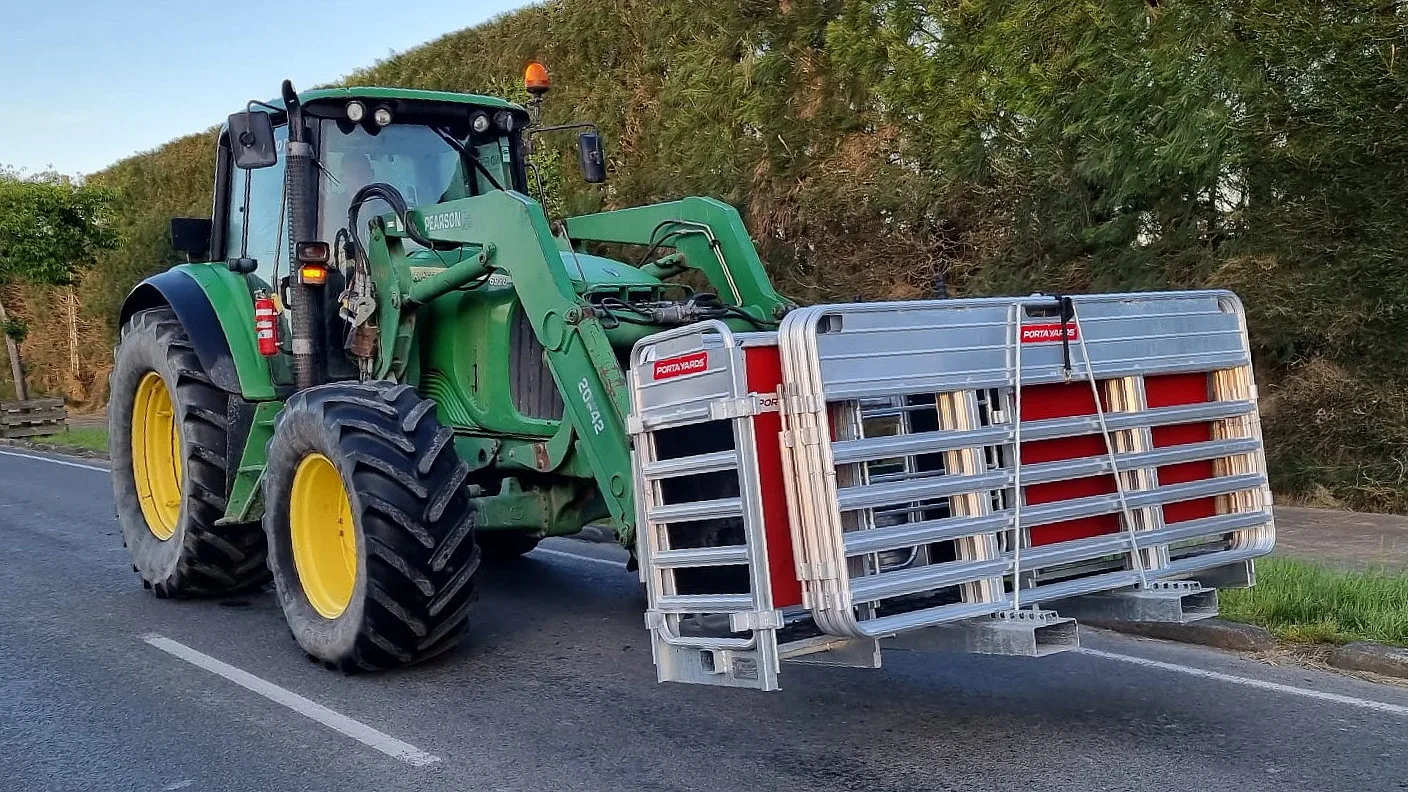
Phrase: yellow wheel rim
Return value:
(156, 456)
(324, 536)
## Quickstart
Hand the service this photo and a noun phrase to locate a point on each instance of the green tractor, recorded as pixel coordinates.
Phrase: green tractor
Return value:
(390, 366)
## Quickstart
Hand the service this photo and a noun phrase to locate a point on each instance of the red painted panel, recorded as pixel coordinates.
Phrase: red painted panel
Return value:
(1064, 400)
(764, 375)
(1168, 391)
(1058, 400)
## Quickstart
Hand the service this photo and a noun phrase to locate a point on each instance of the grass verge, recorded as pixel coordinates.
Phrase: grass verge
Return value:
(1305, 602)
(88, 438)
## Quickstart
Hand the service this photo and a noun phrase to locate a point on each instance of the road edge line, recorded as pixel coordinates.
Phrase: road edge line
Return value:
(1321, 695)
(349, 727)
(55, 460)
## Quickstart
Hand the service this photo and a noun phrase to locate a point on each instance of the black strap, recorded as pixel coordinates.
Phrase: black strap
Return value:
(1067, 312)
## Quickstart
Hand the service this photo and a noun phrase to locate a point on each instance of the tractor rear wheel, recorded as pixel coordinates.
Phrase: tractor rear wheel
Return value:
(168, 430)
(369, 526)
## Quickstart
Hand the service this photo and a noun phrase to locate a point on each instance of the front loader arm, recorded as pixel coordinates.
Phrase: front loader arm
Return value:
(712, 238)
(508, 233)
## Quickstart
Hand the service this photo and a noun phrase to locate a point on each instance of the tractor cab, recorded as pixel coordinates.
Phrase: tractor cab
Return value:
(436, 152)
(429, 146)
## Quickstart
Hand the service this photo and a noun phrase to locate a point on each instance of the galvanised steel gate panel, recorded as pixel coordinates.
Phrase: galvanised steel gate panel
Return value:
(708, 490)
(958, 458)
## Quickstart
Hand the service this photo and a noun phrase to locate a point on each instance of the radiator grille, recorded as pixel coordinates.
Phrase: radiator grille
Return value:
(535, 395)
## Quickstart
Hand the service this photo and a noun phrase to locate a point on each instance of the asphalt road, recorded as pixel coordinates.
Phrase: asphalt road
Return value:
(556, 691)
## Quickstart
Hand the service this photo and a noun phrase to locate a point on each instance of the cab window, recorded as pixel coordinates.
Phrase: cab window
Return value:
(413, 159)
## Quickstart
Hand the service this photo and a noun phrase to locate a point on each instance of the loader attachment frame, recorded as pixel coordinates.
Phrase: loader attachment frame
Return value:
(507, 233)
(712, 238)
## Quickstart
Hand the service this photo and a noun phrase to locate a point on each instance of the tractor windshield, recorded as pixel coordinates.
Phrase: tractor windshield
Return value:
(413, 158)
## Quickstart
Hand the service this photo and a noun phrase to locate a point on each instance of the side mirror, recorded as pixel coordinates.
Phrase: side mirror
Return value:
(252, 140)
(589, 156)
(191, 235)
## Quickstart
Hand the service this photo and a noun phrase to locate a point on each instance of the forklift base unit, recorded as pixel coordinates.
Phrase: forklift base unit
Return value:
(982, 469)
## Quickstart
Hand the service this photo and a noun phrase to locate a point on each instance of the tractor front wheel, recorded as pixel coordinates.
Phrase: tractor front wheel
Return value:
(369, 526)
(169, 426)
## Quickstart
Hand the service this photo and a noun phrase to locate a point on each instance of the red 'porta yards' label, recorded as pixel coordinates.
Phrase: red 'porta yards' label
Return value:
(679, 366)
(1048, 333)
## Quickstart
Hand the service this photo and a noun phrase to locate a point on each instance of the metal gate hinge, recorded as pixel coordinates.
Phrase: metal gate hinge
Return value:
(728, 409)
(634, 425)
(805, 402)
(654, 619)
(755, 620)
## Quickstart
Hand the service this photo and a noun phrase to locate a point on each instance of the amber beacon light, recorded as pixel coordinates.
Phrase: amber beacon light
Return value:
(535, 79)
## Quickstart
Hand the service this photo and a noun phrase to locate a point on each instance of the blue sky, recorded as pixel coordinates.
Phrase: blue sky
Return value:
(89, 82)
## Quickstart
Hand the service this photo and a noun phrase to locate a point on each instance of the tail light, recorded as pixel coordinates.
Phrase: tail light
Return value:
(313, 258)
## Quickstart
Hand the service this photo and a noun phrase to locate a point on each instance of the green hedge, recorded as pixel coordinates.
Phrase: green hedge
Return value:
(878, 146)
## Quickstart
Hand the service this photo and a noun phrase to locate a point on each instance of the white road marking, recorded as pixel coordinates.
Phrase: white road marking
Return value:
(579, 557)
(333, 720)
(63, 462)
(1320, 695)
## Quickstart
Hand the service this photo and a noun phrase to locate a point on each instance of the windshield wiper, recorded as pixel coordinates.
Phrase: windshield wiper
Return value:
(466, 152)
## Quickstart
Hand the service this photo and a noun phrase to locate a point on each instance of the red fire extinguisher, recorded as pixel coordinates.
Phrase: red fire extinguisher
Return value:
(266, 324)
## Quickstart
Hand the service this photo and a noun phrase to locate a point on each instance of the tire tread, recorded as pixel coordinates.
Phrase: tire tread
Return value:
(215, 559)
(413, 510)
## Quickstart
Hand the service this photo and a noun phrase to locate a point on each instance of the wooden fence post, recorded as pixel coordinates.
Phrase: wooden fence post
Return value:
(13, 350)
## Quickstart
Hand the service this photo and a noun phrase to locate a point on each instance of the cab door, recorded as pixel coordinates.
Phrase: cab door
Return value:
(264, 219)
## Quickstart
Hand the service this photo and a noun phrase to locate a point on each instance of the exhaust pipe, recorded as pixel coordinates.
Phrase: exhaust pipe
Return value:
(299, 191)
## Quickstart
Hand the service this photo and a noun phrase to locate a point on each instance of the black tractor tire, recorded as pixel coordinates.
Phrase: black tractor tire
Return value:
(502, 546)
(410, 592)
(189, 554)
